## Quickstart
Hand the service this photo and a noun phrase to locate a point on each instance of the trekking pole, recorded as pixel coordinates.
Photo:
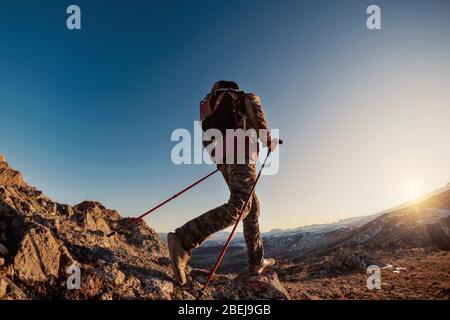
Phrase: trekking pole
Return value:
(133, 221)
(225, 247)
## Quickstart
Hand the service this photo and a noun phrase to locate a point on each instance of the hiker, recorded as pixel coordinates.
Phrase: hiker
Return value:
(242, 111)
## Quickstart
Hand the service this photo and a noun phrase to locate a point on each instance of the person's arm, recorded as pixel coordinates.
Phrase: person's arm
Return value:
(260, 119)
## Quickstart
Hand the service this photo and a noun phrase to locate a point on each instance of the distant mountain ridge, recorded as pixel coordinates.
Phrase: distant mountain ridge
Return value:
(353, 222)
(420, 223)
(359, 220)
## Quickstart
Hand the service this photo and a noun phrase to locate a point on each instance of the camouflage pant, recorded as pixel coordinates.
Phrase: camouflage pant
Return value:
(240, 179)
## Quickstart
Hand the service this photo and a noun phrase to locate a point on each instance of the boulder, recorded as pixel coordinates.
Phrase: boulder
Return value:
(347, 261)
(90, 206)
(89, 222)
(102, 226)
(8, 176)
(244, 286)
(40, 257)
(257, 287)
(92, 223)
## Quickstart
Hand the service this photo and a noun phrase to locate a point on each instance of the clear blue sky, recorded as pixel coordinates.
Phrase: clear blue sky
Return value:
(88, 114)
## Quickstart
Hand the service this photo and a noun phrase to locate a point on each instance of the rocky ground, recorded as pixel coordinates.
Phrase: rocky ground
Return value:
(41, 241)
(421, 273)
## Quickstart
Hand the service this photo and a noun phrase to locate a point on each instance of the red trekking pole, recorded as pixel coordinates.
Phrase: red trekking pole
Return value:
(133, 221)
(225, 247)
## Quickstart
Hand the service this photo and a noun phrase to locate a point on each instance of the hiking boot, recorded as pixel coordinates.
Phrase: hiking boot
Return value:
(178, 258)
(259, 268)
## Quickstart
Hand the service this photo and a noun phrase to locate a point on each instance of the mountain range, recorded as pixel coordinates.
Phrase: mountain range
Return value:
(420, 223)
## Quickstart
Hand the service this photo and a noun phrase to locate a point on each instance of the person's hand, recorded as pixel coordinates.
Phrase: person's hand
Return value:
(273, 144)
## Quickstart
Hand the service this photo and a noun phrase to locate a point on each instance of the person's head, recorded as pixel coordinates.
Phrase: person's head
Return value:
(223, 84)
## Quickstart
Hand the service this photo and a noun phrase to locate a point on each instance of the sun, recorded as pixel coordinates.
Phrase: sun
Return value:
(412, 189)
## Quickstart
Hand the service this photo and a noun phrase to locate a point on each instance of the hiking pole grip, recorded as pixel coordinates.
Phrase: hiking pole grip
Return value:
(274, 144)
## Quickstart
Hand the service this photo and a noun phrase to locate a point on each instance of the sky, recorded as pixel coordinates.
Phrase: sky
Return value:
(364, 114)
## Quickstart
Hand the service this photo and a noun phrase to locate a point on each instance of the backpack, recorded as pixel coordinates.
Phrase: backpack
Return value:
(226, 109)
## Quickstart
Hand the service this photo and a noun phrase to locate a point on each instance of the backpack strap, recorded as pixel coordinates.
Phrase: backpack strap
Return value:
(219, 100)
(250, 112)
(206, 109)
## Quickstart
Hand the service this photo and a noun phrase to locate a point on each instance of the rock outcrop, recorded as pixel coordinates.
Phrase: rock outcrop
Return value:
(45, 245)
(40, 257)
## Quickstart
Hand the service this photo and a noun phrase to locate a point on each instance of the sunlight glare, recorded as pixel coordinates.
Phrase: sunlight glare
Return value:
(412, 189)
